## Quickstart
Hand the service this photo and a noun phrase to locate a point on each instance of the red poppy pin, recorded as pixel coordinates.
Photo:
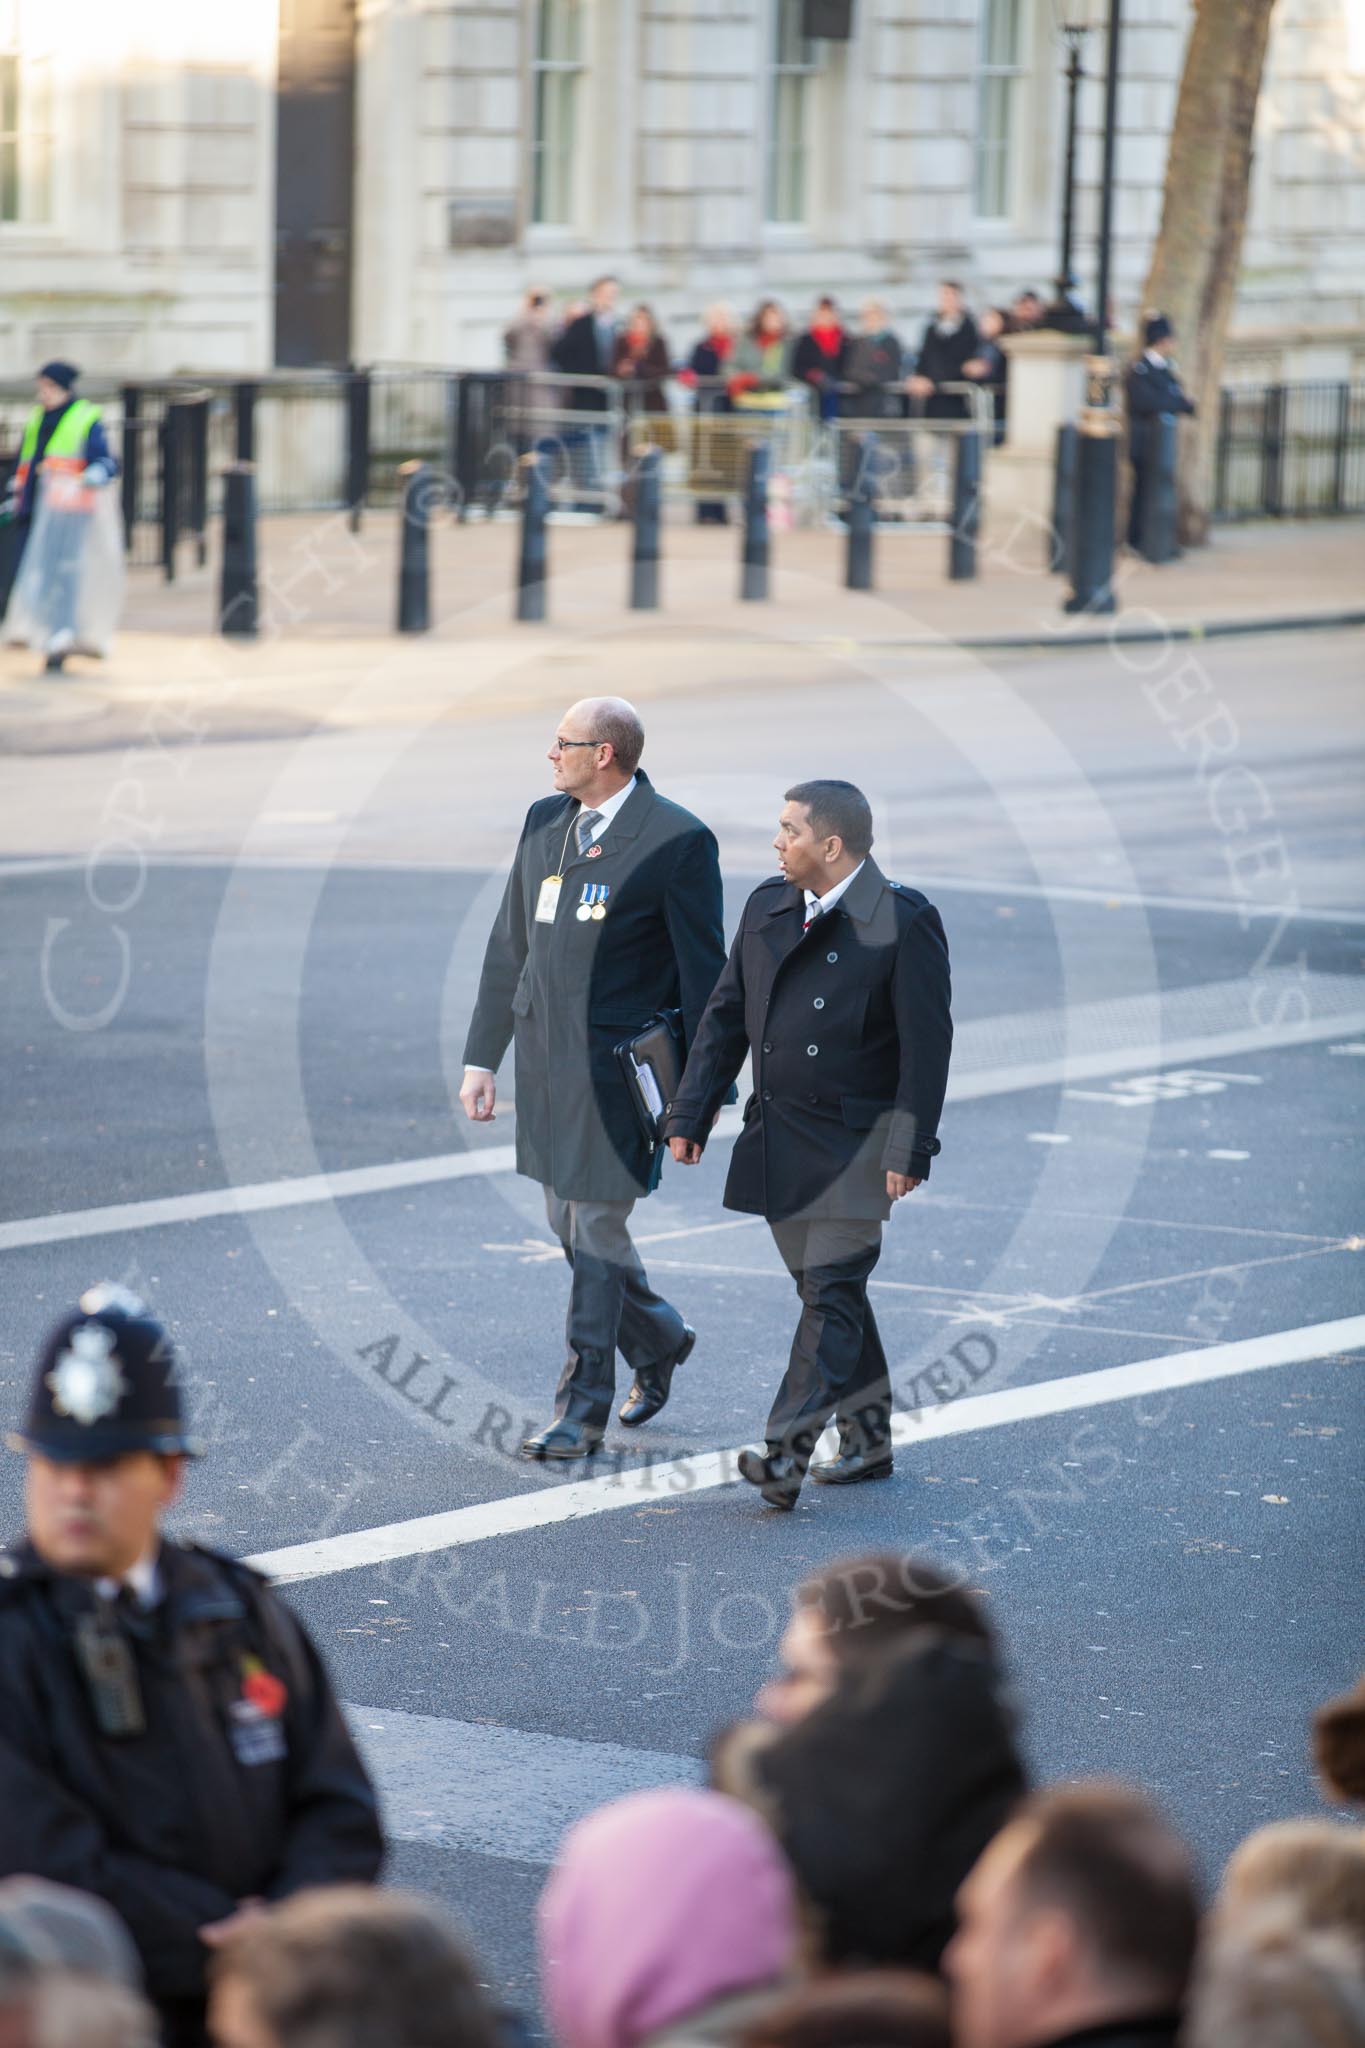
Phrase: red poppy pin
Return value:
(593, 852)
(268, 1694)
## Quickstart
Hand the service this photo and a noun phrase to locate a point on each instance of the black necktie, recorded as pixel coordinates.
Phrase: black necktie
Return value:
(588, 821)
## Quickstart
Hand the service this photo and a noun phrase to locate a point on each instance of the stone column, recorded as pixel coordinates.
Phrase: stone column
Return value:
(1046, 389)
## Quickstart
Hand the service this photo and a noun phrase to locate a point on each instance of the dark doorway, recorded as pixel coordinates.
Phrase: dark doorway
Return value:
(314, 180)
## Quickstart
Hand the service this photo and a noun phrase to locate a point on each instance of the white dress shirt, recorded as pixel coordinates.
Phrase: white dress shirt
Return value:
(142, 1579)
(608, 808)
(816, 906)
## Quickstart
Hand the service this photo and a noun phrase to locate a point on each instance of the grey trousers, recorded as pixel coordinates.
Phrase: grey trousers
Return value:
(611, 1306)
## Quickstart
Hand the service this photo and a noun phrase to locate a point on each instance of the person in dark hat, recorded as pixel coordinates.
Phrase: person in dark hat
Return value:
(169, 1739)
(1152, 387)
(63, 444)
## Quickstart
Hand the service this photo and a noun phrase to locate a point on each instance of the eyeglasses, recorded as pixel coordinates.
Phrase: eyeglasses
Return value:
(562, 746)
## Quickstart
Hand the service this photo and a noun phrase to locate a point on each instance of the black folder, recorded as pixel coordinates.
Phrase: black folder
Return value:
(652, 1063)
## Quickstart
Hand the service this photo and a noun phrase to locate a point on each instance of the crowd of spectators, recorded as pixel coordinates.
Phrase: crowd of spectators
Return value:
(858, 368)
(869, 1866)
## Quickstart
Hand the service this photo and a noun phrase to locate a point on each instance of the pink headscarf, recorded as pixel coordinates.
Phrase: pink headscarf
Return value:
(659, 1905)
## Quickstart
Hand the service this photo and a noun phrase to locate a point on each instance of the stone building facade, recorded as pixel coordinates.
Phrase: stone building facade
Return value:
(291, 181)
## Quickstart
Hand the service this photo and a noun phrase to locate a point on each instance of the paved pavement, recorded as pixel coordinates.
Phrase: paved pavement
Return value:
(246, 967)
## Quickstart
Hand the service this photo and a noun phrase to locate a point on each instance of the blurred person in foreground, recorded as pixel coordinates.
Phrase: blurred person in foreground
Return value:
(884, 1795)
(669, 1921)
(818, 357)
(1314, 1869)
(1274, 1983)
(69, 1974)
(856, 1610)
(348, 1967)
(871, 2009)
(1338, 1741)
(1077, 1926)
(169, 1739)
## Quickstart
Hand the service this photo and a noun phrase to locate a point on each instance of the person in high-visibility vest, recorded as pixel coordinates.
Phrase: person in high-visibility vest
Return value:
(64, 450)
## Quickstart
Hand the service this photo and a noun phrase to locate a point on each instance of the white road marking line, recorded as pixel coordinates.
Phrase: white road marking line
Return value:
(967, 885)
(1104, 1020)
(1049, 1137)
(1221, 1152)
(498, 1791)
(540, 1507)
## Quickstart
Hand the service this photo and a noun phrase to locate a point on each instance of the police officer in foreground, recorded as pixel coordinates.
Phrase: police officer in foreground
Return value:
(838, 983)
(169, 1739)
(1151, 387)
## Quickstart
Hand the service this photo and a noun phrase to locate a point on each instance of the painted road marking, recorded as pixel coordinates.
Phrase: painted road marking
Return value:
(497, 1791)
(539, 1507)
(1084, 1042)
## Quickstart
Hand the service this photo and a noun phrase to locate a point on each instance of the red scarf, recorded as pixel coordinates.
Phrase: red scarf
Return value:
(829, 340)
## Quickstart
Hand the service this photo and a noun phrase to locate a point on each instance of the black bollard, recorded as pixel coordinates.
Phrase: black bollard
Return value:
(171, 437)
(1091, 555)
(414, 592)
(1063, 499)
(1156, 532)
(533, 567)
(966, 508)
(357, 444)
(860, 513)
(237, 607)
(244, 420)
(644, 559)
(753, 585)
(132, 460)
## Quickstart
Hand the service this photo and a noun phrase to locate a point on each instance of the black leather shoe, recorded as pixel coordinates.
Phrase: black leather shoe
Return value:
(777, 1479)
(653, 1384)
(563, 1440)
(851, 1468)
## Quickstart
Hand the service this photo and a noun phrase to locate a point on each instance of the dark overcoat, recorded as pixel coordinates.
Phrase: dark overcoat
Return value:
(850, 1031)
(1150, 388)
(571, 991)
(219, 1799)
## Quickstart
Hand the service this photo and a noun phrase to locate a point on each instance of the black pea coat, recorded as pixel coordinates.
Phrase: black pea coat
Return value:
(1150, 388)
(214, 1803)
(941, 357)
(578, 353)
(570, 991)
(850, 1031)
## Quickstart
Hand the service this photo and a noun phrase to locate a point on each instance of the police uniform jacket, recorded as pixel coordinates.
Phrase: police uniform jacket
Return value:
(571, 991)
(244, 1784)
(1151, 388)
(851, 1033)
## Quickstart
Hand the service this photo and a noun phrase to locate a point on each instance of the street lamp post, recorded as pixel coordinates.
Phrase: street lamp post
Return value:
(1100, 424)
(1074, 34)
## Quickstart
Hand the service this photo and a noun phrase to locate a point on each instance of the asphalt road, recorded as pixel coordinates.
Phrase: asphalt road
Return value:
(1177, 1577)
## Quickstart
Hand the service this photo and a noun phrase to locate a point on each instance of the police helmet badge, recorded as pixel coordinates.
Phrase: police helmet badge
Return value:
(86, 1382)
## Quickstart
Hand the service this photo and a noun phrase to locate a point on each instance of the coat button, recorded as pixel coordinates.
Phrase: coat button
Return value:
(813, 1098)
(767, 1047)
(832, 958)
(811, 1051)
(819, 1002)
(767, 1094)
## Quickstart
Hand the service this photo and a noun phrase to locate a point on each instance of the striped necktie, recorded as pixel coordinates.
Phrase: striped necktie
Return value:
(588, 822)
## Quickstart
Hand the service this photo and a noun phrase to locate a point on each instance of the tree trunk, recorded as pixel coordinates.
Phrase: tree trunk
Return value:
(1195, 263)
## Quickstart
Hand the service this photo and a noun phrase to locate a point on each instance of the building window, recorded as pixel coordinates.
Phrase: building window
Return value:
(556, 80)
(25, 127)
(795, 63)
(1000, 70)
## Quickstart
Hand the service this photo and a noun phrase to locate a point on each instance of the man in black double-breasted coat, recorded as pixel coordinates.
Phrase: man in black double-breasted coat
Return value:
(612, 913)
(838, 983)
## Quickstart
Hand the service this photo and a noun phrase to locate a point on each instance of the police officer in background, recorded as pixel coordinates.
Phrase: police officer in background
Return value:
(1152, 387)
(838, 983)
(169, 1739)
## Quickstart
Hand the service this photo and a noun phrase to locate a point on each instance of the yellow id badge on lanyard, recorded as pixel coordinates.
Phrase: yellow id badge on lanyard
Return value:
(547, 903)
